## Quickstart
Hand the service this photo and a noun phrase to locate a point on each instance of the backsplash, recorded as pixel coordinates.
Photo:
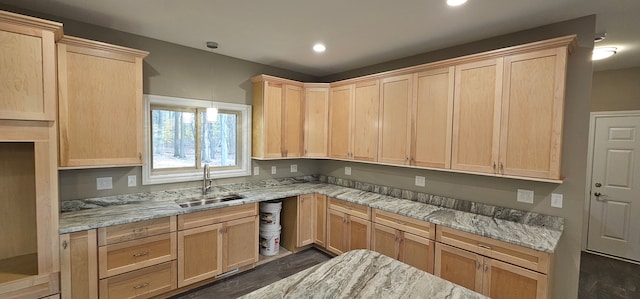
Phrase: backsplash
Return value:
(514, 215)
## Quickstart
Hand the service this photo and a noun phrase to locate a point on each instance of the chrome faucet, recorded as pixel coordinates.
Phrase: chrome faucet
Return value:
(206, 177)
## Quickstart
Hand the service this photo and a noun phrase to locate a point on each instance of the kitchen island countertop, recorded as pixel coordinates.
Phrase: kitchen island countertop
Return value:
(362, 274)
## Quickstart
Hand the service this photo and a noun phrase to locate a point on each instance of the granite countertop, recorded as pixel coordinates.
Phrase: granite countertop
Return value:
(530, 230)
(362, 274)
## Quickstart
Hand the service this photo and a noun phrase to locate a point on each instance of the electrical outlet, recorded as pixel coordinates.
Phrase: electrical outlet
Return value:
(104, 183)
(525, 196)
(273, 170)
(256, 170)
(131, 181)
(347, 170)
(556, 200)
(420, 182)
(294, 168)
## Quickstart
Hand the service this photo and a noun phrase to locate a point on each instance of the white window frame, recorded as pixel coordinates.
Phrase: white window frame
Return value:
(244, 132)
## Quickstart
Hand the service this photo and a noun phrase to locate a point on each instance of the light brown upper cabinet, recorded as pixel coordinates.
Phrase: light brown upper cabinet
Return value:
(508, 114)
(432, 118)
(100, 109)
(532, 113)
(277, 118)
(353, 121)
(395, 119)
(316, 120)
(340, 106)
(476, 116)
(27, 67)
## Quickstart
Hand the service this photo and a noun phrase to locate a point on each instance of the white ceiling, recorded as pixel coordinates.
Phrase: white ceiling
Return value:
(357, 33)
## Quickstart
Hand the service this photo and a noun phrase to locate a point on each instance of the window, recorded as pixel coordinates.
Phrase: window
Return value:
(181, 139)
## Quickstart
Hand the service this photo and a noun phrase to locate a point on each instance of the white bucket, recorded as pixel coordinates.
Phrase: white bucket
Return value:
(270, 214)
(269, 240)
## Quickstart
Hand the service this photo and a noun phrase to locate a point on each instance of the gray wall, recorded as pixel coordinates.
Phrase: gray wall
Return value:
(502, 192)
(616, 90)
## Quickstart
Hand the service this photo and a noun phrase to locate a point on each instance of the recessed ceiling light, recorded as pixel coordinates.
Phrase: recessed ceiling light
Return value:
(319, 48)
(456, 2)
(603, 52)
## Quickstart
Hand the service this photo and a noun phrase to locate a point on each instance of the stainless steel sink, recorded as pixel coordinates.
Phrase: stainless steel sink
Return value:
(194, 202)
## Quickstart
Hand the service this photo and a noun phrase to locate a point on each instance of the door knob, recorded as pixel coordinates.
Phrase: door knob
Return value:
(598, 185)
(597, 194)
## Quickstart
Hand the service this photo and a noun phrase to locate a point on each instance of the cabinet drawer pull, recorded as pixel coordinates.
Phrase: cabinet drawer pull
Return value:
(139, 254)
(486, 267)
(140, 286)
(478, 265)
(400, 222)
(484, 246)
(140, 230)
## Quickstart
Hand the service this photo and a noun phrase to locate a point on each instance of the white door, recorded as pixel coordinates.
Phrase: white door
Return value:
(614, 221)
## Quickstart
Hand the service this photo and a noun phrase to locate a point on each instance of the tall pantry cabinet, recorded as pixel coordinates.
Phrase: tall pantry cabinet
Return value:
(29, 262)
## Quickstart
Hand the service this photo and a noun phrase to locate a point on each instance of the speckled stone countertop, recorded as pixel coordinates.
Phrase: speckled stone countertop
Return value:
(362, 274)
(540, 232)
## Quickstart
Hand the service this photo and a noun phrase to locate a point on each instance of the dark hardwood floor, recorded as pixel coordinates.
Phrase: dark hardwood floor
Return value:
(600, 277)
(244, 283)
(603, 278)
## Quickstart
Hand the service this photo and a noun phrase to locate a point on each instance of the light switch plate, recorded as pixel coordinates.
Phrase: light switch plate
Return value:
(420, 182)
(525, 196)
(104, 183)
(556, 200)
(131, 181)
(347, 170)
(256, 170)
(294, 168)
(273, 170)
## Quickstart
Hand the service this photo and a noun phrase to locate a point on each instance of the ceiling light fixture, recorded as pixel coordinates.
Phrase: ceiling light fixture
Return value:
(319, 48)
(456, 2)
(603, 52)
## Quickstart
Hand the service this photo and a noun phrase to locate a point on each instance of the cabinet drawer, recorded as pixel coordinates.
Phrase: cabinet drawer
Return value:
(143, 283)
(209, 217)
(517, 255)
(350, 208)
(417, 227)
(135, 230)
(132, 255)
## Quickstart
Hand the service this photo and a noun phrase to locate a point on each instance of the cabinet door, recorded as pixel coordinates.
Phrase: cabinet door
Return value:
(240, 241)
(100, 108)
(79, 265)
(316, 121)
(340, 122)
(306, 213)
(359, 231)
(385, 240)
(417, 251)
(365, 121)
(476, 116)
(199, 254)
(336, 232)
(458, 266)
(292, 121)
(503, 281)
(273, 105)
(28, 89)
(532, 114)
(320, 233)
(432, 118)
(395, 119)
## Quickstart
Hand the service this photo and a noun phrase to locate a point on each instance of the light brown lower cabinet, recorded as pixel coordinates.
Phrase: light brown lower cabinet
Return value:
(346, 232)
(79, 265)
(213, 242)
(488, 276)
(144, 283)
(405, 247)
(320, 233)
